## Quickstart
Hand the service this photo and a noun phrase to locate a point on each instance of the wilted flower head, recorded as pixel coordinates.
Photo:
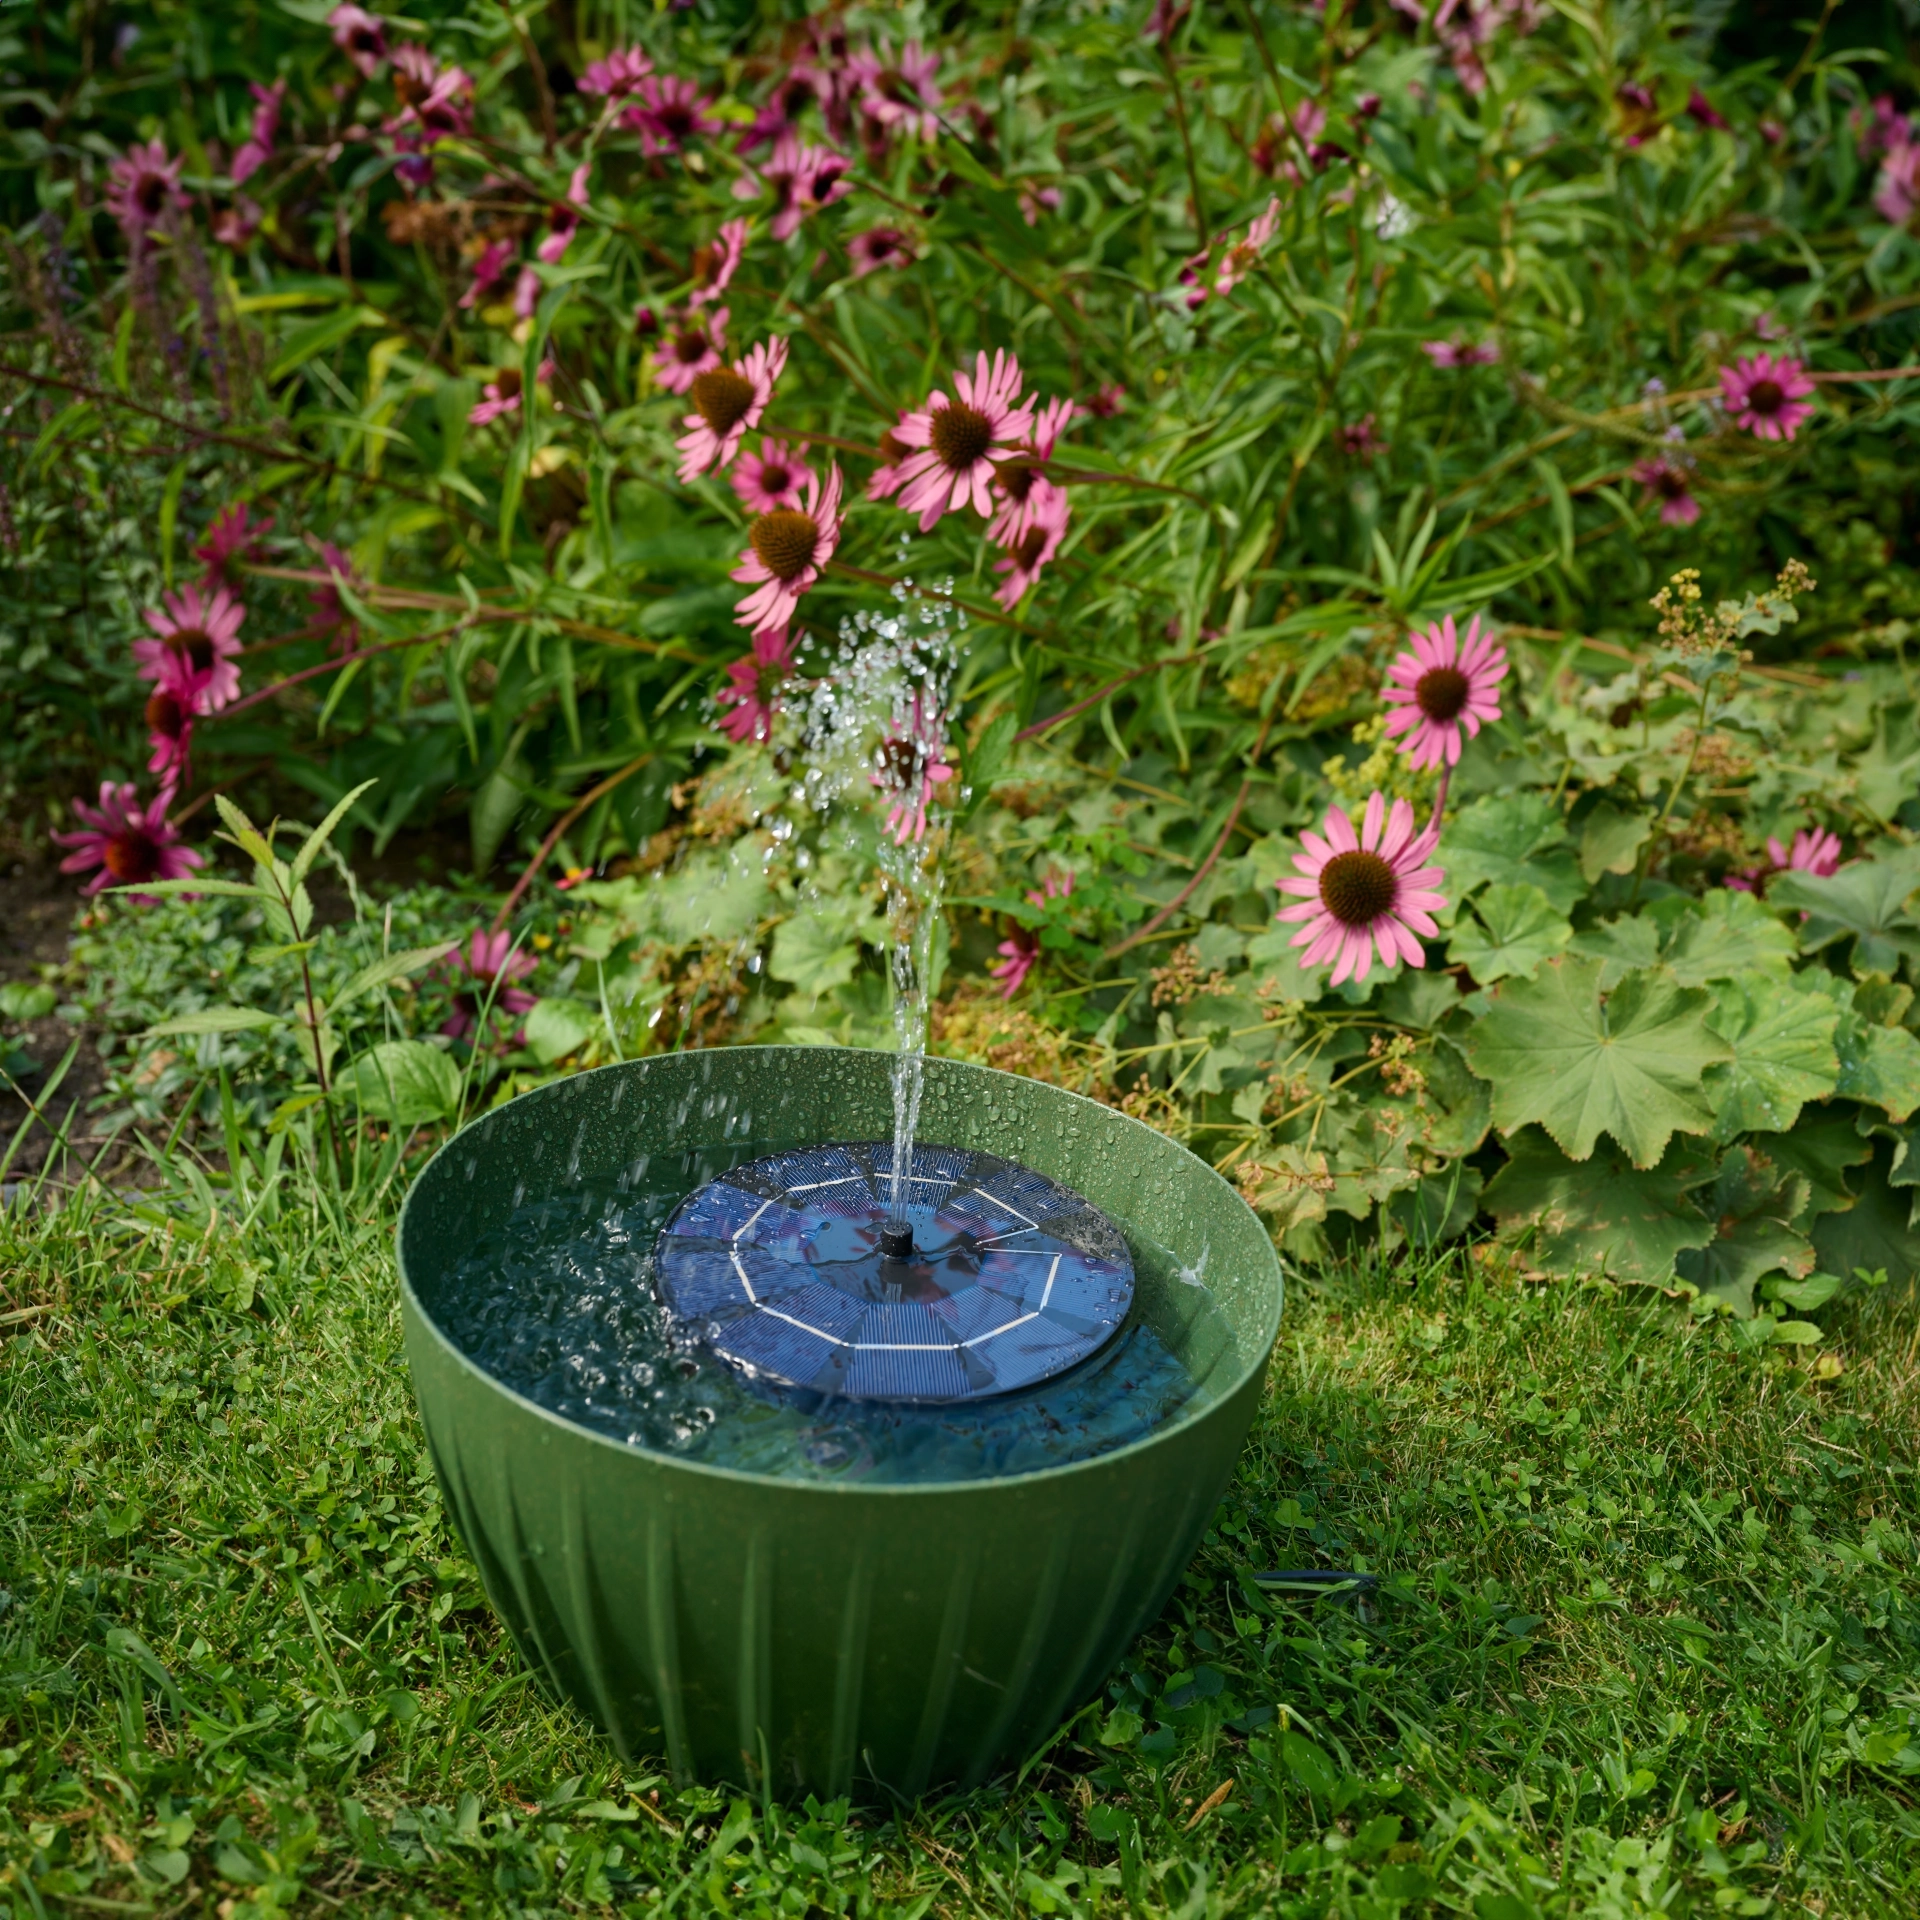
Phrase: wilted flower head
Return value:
(489, 272)
(727, 405)
(141, 185)
(360, 36)
(130, 845)
(1767, 395)
(786, 550)
(486, 970)
(753, 689)
(955, 440)
(668, 113)
(195, 646)
(1365, 892)
(1441, 685)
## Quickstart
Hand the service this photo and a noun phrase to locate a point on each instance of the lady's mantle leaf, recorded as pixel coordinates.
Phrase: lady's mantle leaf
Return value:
(1822, 1147)
(1580, 1064)
(1727, 935)
(1783, 1054)
(1877, 1231)
(1517, 929)
(1603, 1215)
(1512, 839)
(1867, 900)
(1611, 840)
(1879, 1065)
(1752, 1206)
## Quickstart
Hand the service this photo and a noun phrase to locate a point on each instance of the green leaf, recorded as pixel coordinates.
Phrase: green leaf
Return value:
(1879, 1065)
(1783, 1054)
(812, 953)
(392, 966)
(1517, 928)
(406, 1082)
(1602, 1215)
(1628, 1064)
(26, 1000)
(558, 1027)
(1876, 1231)
(1725, 935)
(1752, 1208)
(215, 1020)
(318, 336)
(1611, 840)
(1866, 901)
(986, 763)
(1511, 839)
(1822, 1147)
(321, 834)
(1623, 944)
(175, 889)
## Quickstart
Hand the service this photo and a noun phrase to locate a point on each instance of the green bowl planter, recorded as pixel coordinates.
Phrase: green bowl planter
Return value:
(830, 1638)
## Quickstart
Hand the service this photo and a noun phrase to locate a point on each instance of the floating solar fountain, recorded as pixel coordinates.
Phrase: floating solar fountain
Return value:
(815, 1479)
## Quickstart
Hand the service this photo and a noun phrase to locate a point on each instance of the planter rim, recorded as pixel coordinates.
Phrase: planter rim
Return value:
(835, 1489)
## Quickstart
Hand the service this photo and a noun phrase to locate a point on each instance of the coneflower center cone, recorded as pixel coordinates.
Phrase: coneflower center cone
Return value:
(165, 715)
(960, 436)
(674, 118)
(150, 194)
(722, 398)
(196, 643)
(785, 541)
(131, 857)
(1764, 396)
(892, 451)
(1357, 887)
(1017, 478)
(1441, 694)
(690, 346)
(1027, 554)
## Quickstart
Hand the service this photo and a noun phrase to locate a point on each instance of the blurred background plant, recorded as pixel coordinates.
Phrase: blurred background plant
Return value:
(391, 406)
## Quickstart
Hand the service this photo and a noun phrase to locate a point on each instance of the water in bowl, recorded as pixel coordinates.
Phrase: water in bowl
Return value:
(559, 1304)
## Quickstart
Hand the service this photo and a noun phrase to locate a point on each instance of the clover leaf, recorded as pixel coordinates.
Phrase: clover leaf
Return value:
(1578, 1062)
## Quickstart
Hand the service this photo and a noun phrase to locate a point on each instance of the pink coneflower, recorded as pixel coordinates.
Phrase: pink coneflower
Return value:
(1815, 850)
(563, 218)
(1441, 685)
(1236, 263)
(1672, 486)
(141, 185)
(526, 294)
(1767, 396)
(501, 395)
(489, 271)
(727, 405)
(1888, 129)
(802, 179)
(1703, 110)
(669, 113)
(1046, 528)
(1360, 440)
(1034, 201)
(1897, 189)
(900, 94)
(957, 439)
(1460, 353)
(1021, 952)
(772, 480)
(195, 649)
(787, 548)
(234, 226)
(754, 684)
(715, 264)
(360, 36)
(802, 85)
(129, 846)
(327, 611)
(1106, 401)
(436, 101)
(486, 971)
(884, 482)
(169, 733)
(911, 764)
(1021, 486)
(257, 149)
(879, 247)
(1639, 113)
(232, 536)
(692, 347)
(617, 76)
(1365, 892)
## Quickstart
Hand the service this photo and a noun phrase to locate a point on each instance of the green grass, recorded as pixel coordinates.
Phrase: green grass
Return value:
(1648, 1640)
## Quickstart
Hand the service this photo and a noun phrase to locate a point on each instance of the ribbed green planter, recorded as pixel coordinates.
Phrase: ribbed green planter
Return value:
(829, 1638)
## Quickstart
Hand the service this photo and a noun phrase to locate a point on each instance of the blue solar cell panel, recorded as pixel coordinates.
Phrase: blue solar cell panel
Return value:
(1010, 1279)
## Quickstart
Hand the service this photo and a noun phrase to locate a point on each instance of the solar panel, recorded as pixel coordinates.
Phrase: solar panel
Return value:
(1010, 1278)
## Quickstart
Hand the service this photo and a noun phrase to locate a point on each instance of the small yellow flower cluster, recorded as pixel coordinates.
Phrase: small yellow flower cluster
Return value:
(1686, 625)
(1385, 768)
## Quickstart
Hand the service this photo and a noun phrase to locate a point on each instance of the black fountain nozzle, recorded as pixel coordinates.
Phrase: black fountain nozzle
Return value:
(896, 1241)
